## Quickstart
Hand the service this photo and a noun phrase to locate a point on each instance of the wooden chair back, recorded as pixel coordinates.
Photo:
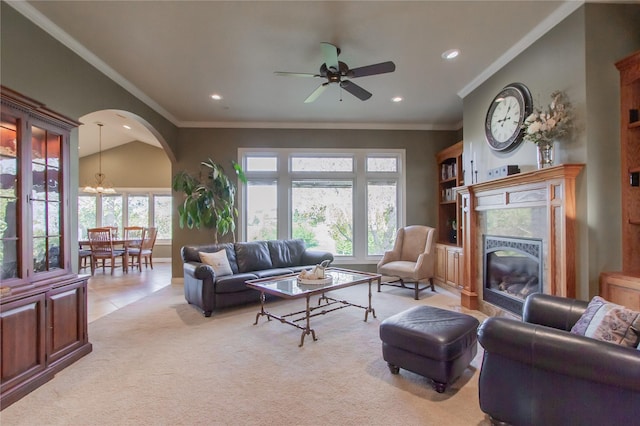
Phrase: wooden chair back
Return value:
(133, 236)
(101, 242)
(149, 238)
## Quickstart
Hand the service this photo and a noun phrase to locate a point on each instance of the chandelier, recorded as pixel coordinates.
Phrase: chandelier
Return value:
(101, 185)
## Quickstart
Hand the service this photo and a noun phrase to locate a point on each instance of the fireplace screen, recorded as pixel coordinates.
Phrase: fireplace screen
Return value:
(512, 270)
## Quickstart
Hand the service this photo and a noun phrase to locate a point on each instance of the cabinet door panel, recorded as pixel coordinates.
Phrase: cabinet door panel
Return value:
(22, 326)
(66, 313)
(441, 263)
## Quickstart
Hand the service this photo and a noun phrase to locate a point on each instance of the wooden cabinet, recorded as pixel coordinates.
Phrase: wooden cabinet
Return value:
(630, 160)
(43, 305)
(449, 265)
(623, 289)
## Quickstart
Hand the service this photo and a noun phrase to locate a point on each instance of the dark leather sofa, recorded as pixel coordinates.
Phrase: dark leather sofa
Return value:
(248, 260)
(535, 372)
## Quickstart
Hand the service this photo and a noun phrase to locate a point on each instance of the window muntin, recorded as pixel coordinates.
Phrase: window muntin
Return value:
(126, 209)
(302, 198)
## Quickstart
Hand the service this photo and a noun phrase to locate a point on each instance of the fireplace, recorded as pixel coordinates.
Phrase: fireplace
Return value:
(512, 270)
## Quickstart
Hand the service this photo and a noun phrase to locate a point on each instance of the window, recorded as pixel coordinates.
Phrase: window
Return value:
(349, 202)
(126, 209)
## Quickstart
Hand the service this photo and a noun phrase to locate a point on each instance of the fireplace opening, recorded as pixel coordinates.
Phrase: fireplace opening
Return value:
(512, 270)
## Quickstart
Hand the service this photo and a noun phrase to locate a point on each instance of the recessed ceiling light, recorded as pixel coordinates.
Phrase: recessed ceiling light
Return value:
(396, 99)
(216, 97)
(126, 126)
(450, 54)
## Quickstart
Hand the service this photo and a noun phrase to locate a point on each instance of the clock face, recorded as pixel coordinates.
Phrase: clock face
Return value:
(505, 116)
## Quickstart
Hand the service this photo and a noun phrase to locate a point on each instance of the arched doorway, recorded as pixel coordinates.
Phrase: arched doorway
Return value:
(132, 157)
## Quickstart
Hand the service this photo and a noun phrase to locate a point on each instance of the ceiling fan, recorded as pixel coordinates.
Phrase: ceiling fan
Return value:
(335, 71)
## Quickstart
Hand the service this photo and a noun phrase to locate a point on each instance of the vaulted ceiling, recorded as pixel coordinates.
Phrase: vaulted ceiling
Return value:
(174, 55)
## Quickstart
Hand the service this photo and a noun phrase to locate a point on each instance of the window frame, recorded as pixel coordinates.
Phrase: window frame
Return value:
(150, 193)
(360, 177)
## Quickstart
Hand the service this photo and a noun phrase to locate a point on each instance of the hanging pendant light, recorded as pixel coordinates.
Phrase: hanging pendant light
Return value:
(101, 185)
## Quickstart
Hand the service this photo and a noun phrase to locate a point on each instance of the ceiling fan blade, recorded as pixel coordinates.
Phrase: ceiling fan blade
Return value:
(295, 74)
(355, 90)
(381, 68)
(313, 96)
(330, 54)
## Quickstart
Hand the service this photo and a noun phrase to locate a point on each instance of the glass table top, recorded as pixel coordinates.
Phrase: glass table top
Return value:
(289, 285)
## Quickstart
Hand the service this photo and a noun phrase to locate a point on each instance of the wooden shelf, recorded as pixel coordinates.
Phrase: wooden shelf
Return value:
(629, 69)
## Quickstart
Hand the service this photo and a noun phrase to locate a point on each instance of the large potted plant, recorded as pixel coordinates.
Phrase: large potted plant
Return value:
(209, 198)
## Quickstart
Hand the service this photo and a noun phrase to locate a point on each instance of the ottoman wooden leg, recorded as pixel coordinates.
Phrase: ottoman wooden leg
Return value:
(393, 368)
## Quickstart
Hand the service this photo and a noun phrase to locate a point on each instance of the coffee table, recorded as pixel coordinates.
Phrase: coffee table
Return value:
(288, 287)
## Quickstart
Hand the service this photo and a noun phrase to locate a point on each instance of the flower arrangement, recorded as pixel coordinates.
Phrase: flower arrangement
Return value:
(545, 127)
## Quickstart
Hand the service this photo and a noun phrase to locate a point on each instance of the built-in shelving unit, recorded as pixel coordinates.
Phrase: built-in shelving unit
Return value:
(449, 256)
(630, 160)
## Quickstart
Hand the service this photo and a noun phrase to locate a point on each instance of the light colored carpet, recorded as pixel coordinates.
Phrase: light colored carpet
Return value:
(159, 362)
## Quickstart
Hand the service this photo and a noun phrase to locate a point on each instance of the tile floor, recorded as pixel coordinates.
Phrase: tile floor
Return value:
(108, 293)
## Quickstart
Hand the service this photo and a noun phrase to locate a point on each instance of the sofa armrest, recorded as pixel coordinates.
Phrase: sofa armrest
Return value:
(315, 257)
(562, 352)
(553, 311)
(199, 271)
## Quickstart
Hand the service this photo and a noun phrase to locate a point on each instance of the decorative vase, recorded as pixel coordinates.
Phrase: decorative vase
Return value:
(545, 155)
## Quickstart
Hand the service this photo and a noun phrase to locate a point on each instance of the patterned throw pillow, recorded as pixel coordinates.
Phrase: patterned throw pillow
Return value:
(609, 322)
(218, 261)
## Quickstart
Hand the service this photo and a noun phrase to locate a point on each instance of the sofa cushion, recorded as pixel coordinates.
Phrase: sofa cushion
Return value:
(192, 253)
(252, 256)
(218, 261)
(609, 322)
(233, 283)
(285, 253)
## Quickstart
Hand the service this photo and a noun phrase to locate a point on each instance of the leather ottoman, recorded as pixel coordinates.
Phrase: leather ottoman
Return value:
(433, 342)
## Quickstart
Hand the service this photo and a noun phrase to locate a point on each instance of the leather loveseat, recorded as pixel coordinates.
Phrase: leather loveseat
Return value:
(248, 260)
(536, 372)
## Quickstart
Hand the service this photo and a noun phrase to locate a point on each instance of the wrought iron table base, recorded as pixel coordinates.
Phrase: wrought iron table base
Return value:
(309, 313)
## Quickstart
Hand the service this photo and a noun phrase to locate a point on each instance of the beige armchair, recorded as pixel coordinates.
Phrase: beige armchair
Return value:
(412, 258)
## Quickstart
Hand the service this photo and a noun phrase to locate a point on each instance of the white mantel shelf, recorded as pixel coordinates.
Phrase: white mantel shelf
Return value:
(552, 188)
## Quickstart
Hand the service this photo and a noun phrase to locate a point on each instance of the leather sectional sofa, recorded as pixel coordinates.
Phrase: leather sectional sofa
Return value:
(535, 372)
(206, 290)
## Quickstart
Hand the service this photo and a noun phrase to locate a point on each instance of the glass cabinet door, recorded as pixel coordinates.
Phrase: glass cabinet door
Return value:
(9, 198)
(46, 197)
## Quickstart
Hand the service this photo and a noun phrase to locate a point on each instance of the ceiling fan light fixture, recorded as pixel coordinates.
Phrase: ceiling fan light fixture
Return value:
(450, 54)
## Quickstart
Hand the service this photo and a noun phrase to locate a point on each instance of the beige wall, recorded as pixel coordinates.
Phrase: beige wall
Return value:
(133, 165)
(196, 145)
(576, 56)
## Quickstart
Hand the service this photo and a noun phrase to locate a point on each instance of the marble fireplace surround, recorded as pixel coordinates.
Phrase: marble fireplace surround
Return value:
(544, 201)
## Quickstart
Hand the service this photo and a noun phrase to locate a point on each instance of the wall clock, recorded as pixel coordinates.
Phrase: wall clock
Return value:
(506, 114)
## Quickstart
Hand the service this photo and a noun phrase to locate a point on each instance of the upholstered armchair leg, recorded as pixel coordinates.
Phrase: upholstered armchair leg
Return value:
(433, 287)
(416, 297)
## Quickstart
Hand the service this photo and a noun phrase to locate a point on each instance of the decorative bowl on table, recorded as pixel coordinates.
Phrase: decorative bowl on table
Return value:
(315, 281)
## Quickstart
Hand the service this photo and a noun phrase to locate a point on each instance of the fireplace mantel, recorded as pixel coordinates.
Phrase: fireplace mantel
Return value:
(552, 189)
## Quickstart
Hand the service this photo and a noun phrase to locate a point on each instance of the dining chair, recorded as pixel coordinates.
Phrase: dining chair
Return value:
(133, 236)
(84, 258)
(101, 242)
(145, 250)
